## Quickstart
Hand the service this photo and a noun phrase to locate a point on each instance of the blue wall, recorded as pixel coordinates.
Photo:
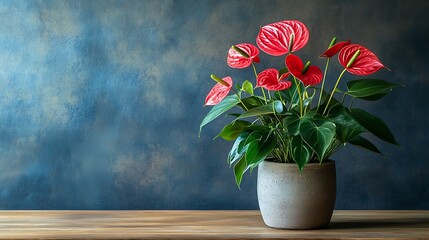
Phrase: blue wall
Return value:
(100, 101)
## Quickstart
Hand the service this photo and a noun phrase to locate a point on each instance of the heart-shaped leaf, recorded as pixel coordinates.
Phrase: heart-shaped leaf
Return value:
(247, 87)
(291, 123)
(300, 152)
(346, 127)
(318, 134)
(257, 151)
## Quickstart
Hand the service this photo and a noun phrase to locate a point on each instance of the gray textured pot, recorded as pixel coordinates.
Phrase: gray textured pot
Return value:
(291, 200)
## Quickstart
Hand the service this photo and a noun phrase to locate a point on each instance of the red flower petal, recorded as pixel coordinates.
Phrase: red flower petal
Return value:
(236, 60)
(330, 52)
(274, 38)
(270, 80)
(312, 76)
(279, 86)
(366, 63)
(218, 92)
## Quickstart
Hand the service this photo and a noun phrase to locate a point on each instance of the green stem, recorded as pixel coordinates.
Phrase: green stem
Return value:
(256, 75)
(239, 99)
(281, 99)
(298, 89)
(323, 84)
(333, 90)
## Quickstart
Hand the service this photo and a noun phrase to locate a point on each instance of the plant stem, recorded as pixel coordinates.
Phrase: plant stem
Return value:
(323, 84)
(239, 99)
(256, 76)
(333, 90)
(298, 89)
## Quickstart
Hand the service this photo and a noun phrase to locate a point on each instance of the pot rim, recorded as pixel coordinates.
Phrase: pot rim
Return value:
(326, 163)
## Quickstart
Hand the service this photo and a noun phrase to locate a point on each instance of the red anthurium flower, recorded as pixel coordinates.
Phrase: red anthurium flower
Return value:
(219, 92)
(274, 38)
(237, 60)
(270, 80)
(312, 76)
(366, 62)
(330, 52)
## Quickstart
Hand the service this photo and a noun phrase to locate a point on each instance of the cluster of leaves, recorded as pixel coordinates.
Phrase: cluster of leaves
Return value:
(286, 124)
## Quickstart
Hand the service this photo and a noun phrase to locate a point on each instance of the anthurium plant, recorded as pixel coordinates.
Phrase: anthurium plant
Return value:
(287, 114)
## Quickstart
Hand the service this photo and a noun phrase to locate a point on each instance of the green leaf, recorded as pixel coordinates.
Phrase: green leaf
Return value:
(251, 102)
(364, 143)
(232, 130)
(346, 127)
(300, 152)
(253, 136)
(248, 87)
(363, 88)
(260, 128)
(257, 151)
(318, 134)
(261, 110)
(235, 154)
(373, 124)
(239, 169)
(291, 123)
(226, 104)
(375, 96)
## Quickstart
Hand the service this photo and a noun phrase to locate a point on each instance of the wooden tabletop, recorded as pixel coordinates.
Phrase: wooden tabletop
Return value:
(204, 225)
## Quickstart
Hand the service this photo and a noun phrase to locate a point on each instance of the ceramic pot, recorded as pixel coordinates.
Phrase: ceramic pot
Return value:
(293, 200)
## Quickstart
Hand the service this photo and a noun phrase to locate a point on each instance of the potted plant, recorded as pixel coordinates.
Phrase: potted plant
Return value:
(289, 125)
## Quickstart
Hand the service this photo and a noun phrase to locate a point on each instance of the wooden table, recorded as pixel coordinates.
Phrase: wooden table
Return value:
(204, 225)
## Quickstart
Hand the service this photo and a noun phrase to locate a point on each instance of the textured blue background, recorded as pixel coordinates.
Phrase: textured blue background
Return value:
(100, 101)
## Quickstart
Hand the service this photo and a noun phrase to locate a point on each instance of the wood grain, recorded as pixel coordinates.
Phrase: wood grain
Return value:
(204, 225)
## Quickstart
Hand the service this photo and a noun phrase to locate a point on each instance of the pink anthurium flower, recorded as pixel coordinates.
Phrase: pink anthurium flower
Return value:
(219, 92)
(310, 76)
(275, 38)
(236, 59)
(270, 79)
(365, 63)
(330, 52)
